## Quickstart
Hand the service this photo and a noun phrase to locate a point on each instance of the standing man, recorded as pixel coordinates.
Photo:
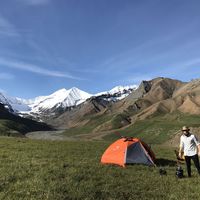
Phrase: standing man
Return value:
(190, 147)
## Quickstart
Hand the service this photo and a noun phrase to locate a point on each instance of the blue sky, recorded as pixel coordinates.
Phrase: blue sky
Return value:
(46, 45)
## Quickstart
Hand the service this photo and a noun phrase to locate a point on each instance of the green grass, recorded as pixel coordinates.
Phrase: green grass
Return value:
(120, 121)
(31, 169)
(154, 130)
(88, 127)
(158, 129)
(10, 128)
(16, 126)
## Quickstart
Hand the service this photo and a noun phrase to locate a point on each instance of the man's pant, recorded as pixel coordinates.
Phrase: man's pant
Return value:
(195, 159)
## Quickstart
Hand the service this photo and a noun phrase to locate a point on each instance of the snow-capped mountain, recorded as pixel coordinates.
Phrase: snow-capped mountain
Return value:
(117, 93)
(3, 99)
(13, 104)
(60, 99)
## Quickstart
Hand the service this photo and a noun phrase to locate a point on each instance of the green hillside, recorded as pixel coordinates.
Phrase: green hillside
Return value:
(13, 125)
(157, 129)
(72, 170)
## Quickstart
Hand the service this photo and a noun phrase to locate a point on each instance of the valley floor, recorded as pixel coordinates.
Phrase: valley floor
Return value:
(41, 169)
(47, 135)
(59, 135)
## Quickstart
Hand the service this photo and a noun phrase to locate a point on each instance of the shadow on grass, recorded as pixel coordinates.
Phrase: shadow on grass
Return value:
(165, 162)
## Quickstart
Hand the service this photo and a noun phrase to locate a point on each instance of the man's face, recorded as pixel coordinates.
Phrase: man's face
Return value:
(185, 132)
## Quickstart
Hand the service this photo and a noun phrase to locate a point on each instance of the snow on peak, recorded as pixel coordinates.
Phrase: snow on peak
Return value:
(122, 89)
(62, 97)
(3, 99)
(119, 89)
(13, 102)
(75, 92)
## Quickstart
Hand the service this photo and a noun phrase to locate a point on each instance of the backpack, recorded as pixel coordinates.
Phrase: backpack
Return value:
(179, 172)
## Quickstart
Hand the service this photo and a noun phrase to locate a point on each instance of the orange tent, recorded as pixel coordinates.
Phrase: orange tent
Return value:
(128, 150)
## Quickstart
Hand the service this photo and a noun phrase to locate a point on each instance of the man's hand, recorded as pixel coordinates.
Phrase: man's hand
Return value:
(180, 154)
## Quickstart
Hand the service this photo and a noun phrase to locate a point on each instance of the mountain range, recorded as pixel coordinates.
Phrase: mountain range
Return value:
(60, 99)
(77, 111)
(157, 97)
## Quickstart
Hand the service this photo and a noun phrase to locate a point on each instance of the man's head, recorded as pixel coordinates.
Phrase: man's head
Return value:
(185, 130)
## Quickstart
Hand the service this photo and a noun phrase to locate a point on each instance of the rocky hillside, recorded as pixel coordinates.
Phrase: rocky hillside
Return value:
(82, 114)
(167, 96)
(158, 98)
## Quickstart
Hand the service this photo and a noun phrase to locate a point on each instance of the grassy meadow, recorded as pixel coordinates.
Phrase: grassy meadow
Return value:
(36, 169)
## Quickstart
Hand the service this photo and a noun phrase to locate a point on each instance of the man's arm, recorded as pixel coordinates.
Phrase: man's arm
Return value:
(181, 149)
(198, 146)
(181, 152)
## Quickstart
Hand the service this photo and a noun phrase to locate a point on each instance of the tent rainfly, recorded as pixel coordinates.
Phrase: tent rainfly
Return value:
(128, 150)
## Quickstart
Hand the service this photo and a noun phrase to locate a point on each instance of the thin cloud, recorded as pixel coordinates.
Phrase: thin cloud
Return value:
(50, 57)
(195, 61)
(181, 67)
(6, 76)
(184, 70)
(87, 70)
(35, 69)
(134, 54)
(7, 29)
(35, 2)
(134, 57)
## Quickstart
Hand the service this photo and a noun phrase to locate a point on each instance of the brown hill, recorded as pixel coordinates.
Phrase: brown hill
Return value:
(161, 107)
(158, 99)
(162, 88)
(189, 106)
(190, 88)
(168, 96)
(81, 114)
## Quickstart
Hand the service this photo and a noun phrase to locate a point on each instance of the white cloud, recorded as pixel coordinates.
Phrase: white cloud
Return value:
(35, 2)
(6, 28)
(6, 76)
(35, 69)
